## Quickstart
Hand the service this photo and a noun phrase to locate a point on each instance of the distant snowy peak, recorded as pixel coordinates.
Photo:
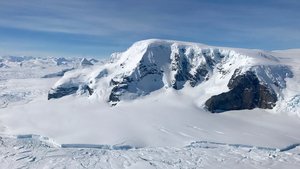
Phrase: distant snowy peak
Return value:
(84, 62)
(247, 78)
(3, 65)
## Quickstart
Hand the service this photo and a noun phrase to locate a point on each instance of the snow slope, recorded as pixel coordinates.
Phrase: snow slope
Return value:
(291, 102)
(156, 120)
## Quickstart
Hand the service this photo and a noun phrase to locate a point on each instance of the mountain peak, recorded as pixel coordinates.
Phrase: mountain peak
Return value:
(155, 42)
(156, 64)
(85, 62)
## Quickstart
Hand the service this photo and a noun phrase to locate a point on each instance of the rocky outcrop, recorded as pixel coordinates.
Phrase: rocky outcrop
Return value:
(2, 65)
(65, 91)
(145, 79)
(246, 92)
(182, 65)
(61, 92)
(84, 62)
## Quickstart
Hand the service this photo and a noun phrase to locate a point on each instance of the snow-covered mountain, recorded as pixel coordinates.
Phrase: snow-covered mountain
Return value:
(241, 78)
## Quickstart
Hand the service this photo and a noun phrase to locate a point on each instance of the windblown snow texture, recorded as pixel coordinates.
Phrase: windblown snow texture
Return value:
(39, 152)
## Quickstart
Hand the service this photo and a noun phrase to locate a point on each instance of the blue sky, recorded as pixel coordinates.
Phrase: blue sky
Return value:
(99, 27)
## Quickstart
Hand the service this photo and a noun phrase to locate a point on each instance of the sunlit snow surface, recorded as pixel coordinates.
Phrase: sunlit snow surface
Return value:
(36, 152)
(165, 129)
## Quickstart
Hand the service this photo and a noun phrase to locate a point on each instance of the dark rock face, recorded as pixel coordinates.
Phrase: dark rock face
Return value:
(118, 89)
(61, 92)
(85, 62)
(145, 79)
(200, 75)
(65, 91)
(246, 92)
(183, 66)
(2, 65)
(87, 89)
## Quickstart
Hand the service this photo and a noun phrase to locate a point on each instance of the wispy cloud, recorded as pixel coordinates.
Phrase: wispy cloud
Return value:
(118, 23)
(78, 17)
